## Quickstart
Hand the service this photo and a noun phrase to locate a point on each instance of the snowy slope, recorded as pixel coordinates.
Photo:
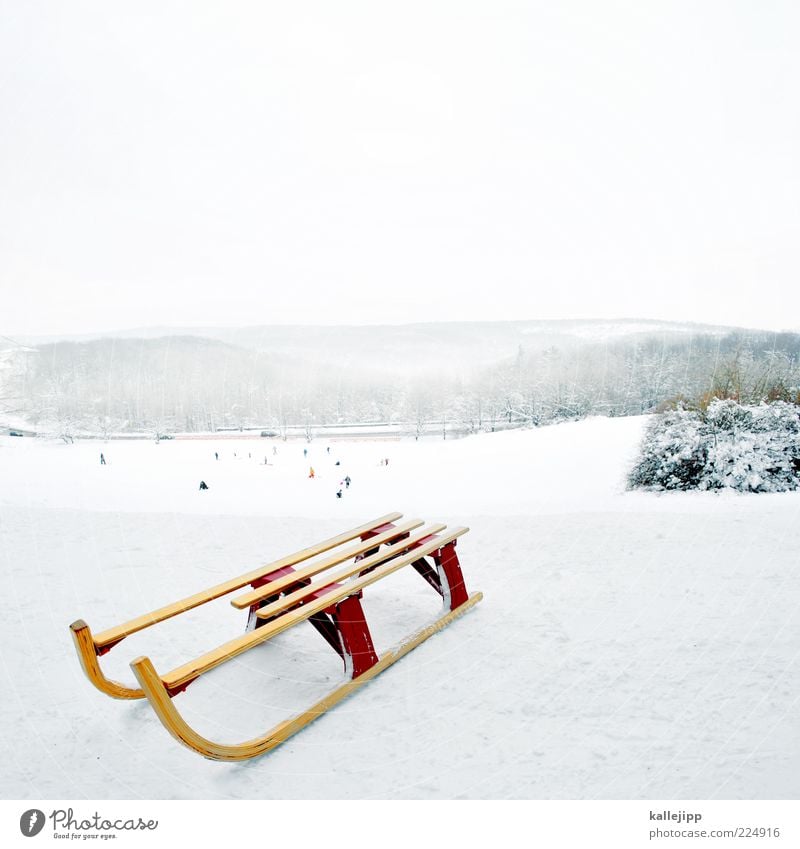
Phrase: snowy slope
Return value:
(628, 645)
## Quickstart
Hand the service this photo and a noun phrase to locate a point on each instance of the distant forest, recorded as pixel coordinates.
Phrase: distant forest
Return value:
(187, 383)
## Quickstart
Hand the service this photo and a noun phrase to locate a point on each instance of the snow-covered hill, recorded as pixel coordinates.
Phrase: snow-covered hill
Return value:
(400, 347)
(628, 645)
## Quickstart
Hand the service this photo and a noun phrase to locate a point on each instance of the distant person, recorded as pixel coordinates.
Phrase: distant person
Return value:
(216, 455)
(102, 459)
(387, 461)
(305, 452)
(339, 493)
(203, 485)
(347, 482)
(311, 472)
(274, 450)
(329, 449)
(337, 463)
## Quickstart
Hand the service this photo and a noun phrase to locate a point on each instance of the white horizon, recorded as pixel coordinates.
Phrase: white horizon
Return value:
(186, 329)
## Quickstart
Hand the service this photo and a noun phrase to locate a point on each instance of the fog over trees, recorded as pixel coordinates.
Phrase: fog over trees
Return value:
(460, 377)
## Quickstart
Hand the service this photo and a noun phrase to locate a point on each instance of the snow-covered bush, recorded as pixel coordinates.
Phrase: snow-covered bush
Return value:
(729, 445)
(674, 452)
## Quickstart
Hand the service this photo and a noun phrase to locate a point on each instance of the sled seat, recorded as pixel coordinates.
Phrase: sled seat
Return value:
(109, 638)
(303, 586)
(328, 596)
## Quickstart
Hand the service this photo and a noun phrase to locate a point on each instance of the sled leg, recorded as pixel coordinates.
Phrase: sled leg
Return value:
(171, 719)
(358, 651)
(451, 578)
(87, 654)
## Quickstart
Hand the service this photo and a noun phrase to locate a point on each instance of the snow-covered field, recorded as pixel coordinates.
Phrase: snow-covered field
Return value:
(629, 645)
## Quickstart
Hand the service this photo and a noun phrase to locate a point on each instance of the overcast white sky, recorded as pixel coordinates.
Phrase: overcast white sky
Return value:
(231, 163)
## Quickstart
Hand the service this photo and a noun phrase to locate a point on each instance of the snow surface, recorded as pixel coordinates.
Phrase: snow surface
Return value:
(629, 644)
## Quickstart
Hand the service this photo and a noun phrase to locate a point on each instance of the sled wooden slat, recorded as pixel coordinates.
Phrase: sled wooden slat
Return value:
(114, 635)
(273, 587)
(294, 598)
(189, 671)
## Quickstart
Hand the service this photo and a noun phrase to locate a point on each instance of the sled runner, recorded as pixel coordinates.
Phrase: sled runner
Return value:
(303, 586)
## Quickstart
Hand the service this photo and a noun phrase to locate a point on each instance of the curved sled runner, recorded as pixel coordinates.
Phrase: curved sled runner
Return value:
(282, 594)
(166, 711)
(88, 651)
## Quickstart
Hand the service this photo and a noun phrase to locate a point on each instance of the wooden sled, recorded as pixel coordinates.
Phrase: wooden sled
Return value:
(300, 587)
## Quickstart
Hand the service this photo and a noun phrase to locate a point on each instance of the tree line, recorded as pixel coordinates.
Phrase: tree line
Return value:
(192, 384)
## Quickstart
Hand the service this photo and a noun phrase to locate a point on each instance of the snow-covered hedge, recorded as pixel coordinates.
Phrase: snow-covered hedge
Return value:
(729, 445)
